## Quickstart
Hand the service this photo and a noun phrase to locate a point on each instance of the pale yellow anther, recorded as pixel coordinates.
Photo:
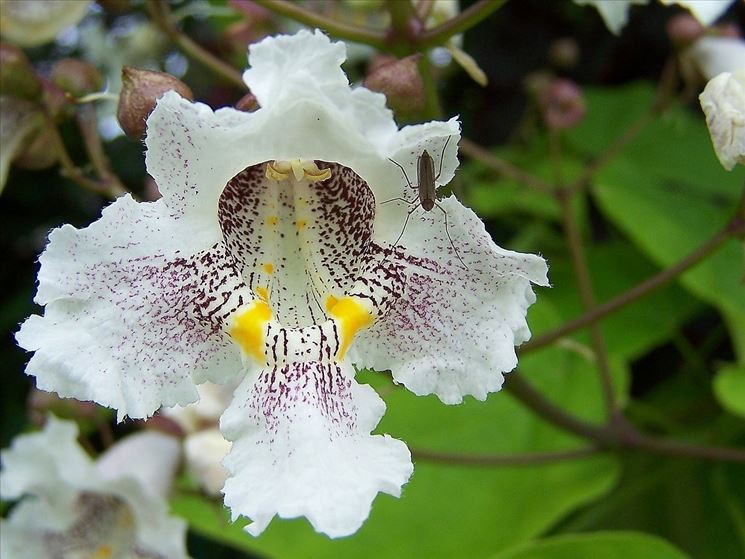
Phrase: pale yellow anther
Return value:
(268, 268)
(300, 169)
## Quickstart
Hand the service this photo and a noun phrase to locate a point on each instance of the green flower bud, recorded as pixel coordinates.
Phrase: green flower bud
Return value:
(17, 76)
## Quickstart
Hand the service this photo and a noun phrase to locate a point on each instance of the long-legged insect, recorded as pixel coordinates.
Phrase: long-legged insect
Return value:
(426, 191)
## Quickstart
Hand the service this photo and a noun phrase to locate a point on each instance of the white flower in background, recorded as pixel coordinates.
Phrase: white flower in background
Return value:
(269, 261)
(723, 102)
(73, 507)
(29, 23)
(710, 56)
(615, 13)
(204, 445)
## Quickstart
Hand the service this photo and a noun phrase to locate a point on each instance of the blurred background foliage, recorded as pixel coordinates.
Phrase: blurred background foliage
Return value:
(676, 357)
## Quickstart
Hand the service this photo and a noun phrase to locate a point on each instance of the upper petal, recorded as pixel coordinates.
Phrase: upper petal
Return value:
(723, 102)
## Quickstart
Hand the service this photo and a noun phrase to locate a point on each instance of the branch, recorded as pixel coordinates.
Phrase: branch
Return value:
(466, 19)
(587, 295)
(595, 314)
(338, 29)
(473, 150)
(160, 13)
(526, 459)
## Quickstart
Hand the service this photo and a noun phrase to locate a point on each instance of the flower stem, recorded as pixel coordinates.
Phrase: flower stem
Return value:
(88, 124)
(338, 29)
(488, 459)
(475, 151)
(595, 314)
(587, 295)
(160, 13)
(618, 435)
(469, 17)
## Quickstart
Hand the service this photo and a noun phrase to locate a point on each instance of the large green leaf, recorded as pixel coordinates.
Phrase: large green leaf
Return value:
(600, 545)
(669, 194)
(729, 388)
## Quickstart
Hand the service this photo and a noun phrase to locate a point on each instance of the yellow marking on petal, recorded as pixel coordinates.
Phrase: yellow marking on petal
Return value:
(330, 302)
(272, 220)
(249, 328)
(351, 316)
(263, 293)
(275, 171)
(301, 223)
(103, 552)
(268, 268)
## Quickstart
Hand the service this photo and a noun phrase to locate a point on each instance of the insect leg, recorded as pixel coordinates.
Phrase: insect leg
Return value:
(442, 155)
(397, 164)
(447, 232)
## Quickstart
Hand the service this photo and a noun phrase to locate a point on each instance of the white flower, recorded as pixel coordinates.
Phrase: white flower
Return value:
(723, 102)
(269, 260)
(710, 56)
(615, 13)
(204, 445)
(73, 507)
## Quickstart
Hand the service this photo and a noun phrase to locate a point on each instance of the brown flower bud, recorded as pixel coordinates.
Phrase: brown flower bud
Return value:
(562, 104)
(247, 103)
(564, 53)
(76, 77)
(400, 82)
(40, 154)
(141, 90)
(55, 100)
(683, 30)
(17, 76)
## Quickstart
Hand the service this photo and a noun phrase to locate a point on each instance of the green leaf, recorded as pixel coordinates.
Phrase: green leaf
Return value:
(599, 545)
(669, 194)
(729, 388)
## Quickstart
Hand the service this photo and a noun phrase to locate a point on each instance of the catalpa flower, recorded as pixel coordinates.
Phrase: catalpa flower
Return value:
(278, 256)
(73, 507)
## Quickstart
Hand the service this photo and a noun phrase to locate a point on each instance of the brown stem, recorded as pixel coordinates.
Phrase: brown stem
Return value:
(88, 125)
(160, 13)
(531, 398)
(488, 459)
(473, 150)
(597, 313)
(338, 29)
(587, 295)
(466, 19)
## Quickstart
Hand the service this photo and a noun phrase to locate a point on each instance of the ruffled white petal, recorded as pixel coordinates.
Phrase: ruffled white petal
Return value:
(129, 321)
(301, 447)
(453, 331)
(723, 102)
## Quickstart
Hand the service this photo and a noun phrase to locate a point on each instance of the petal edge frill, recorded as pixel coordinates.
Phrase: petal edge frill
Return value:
(454, 330)
(301, 447)
(131, 322)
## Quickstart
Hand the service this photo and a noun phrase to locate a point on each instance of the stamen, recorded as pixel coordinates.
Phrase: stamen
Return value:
(300, 169)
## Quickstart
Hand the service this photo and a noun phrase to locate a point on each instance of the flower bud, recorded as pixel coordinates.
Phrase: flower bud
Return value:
(141, 90)
(400, 82)
(40, 154)
(55, 100)
(76, 77)
(247, 103)
(683, 30)
(17, 76)
(562, 104)
(564, 53)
